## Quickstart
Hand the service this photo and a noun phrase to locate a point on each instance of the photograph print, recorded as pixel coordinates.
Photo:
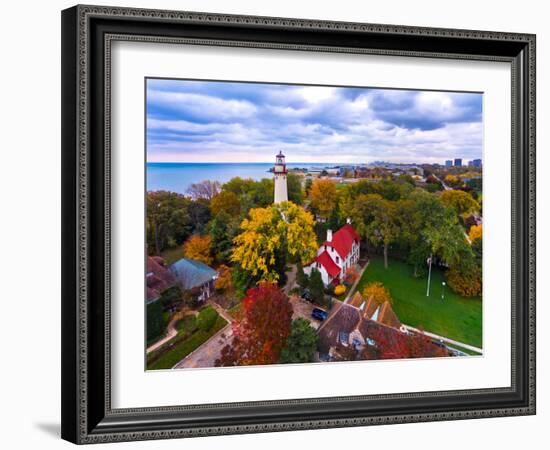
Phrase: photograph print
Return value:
(305, 224)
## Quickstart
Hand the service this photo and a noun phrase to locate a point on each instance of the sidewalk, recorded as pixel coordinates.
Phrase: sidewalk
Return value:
(445, 339)
(352, 289)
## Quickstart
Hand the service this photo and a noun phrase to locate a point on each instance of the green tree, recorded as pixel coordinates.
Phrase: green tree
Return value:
(239, 186)
(307, 185)
(439, 232)
(222, 229)
(301, 278)
(168, 221)
(462, 202)
(294, 187)
(199, 214)
(375, 218)
(301, 344)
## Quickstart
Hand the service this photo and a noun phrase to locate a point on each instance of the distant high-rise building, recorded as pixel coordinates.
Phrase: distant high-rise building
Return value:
(449, 163)
(476, 163)
(458, 162)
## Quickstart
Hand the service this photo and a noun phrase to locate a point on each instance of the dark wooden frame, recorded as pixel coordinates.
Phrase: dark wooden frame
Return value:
(87, 31)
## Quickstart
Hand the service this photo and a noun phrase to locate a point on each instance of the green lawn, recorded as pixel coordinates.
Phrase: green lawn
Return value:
(187, 325)
(171, 255)
(181, 348)
(455, 317)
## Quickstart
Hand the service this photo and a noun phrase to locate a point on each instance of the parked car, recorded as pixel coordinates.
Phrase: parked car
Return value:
(319, 314)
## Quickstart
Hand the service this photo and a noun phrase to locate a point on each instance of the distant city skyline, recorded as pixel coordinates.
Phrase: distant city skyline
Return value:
(204, 121)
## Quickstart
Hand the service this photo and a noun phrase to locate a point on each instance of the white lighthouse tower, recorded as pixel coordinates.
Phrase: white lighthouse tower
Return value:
(280, 172)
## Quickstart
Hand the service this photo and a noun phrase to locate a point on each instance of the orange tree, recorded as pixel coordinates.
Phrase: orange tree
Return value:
(476, 232)
(465, 281)
(377, 292)
(224, 281)
(198, 248)
(263, 329)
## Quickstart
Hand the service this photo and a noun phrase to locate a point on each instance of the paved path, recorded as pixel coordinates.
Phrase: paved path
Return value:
(445, 339)
(290, 279)
(208, 352)
(352, 289)
(171, 333)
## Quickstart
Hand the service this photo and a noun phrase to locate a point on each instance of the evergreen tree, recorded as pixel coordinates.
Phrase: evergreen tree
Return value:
(301, 344)
(301, 278)
(316, 287)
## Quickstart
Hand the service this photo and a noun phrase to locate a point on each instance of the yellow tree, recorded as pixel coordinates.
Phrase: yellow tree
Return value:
(462, 202)
(377, 292)
(283, 229)
(453, 180)
(198, 248)
(323, 196)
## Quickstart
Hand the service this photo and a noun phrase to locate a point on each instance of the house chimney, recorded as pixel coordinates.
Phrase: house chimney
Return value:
(329, 235)
(348, 220)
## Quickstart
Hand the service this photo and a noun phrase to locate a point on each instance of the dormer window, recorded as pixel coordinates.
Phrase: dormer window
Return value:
(343, 337)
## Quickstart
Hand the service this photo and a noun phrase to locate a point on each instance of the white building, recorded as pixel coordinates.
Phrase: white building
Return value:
(339, 252)
(280, 173)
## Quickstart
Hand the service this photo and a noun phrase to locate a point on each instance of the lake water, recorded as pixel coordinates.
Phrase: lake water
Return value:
(177, 177)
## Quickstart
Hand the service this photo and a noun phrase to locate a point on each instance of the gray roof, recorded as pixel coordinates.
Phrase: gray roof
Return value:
(343, 318)
(190, 273)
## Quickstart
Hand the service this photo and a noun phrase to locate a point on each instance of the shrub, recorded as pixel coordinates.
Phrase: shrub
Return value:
(465, 282)
(155, 321)
(206, 318)
(171, 296)
(339, 290)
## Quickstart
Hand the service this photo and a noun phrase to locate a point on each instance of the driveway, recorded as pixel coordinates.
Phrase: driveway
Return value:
(303, 309)
(207, 353)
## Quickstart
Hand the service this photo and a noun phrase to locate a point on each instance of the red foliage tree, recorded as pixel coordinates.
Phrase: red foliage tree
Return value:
(263, 329)
(352, 274)
(391, 344)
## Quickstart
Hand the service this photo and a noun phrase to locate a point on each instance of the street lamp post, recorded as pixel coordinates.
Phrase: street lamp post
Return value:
(429, 261)
(442, 290)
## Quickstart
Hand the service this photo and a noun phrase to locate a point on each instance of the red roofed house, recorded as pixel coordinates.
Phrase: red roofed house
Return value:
(339, 252)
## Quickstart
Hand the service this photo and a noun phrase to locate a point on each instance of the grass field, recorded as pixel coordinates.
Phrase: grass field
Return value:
(455, 317)
(181, 348)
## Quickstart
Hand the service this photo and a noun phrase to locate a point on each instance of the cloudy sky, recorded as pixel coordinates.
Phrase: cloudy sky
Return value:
(204, 121)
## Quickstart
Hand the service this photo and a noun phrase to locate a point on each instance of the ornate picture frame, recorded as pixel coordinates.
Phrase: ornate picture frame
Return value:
(87, 35)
